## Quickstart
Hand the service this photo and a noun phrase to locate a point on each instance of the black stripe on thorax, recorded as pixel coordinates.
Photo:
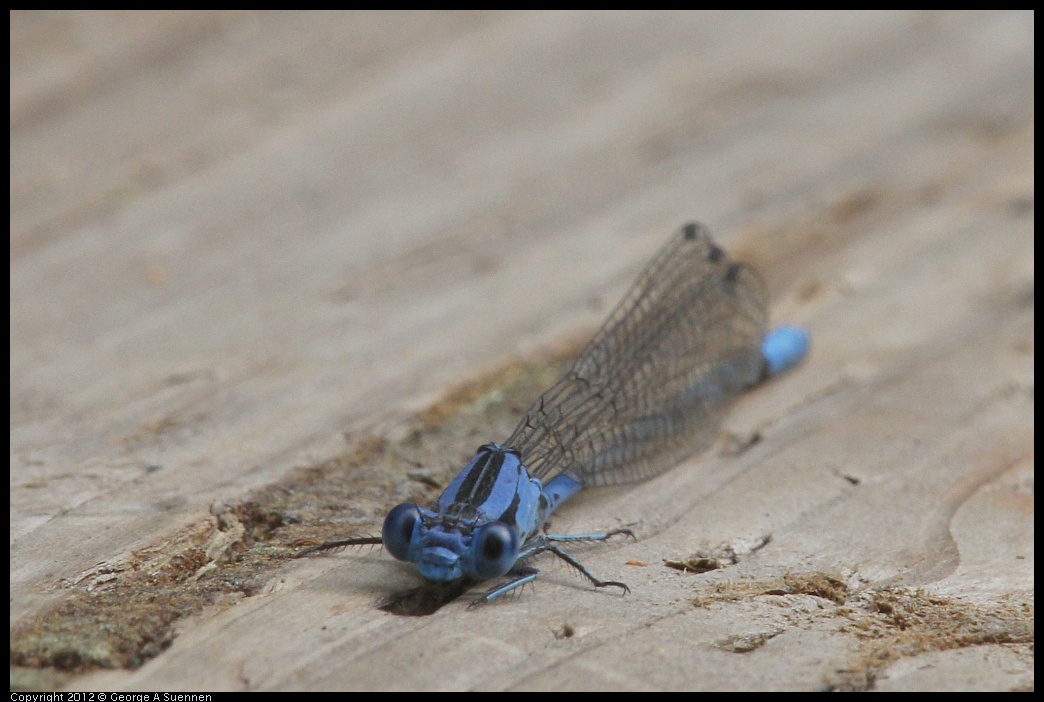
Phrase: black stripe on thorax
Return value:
(477, 487)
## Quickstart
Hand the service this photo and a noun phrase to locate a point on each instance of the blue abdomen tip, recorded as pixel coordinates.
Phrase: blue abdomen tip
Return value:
(783, 348)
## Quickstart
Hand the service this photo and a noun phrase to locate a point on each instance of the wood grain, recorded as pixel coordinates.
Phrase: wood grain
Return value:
(237, 237)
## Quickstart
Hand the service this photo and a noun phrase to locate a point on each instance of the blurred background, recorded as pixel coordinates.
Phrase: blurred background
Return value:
(237, 235)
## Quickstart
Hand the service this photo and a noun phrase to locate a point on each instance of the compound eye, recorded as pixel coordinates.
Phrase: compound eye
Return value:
(398, 530)
(495, 549)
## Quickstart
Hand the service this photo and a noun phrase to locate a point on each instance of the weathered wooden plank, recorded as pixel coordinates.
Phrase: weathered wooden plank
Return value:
(235, 237)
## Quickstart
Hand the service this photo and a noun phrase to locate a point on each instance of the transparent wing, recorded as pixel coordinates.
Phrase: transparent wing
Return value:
(650, 388)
